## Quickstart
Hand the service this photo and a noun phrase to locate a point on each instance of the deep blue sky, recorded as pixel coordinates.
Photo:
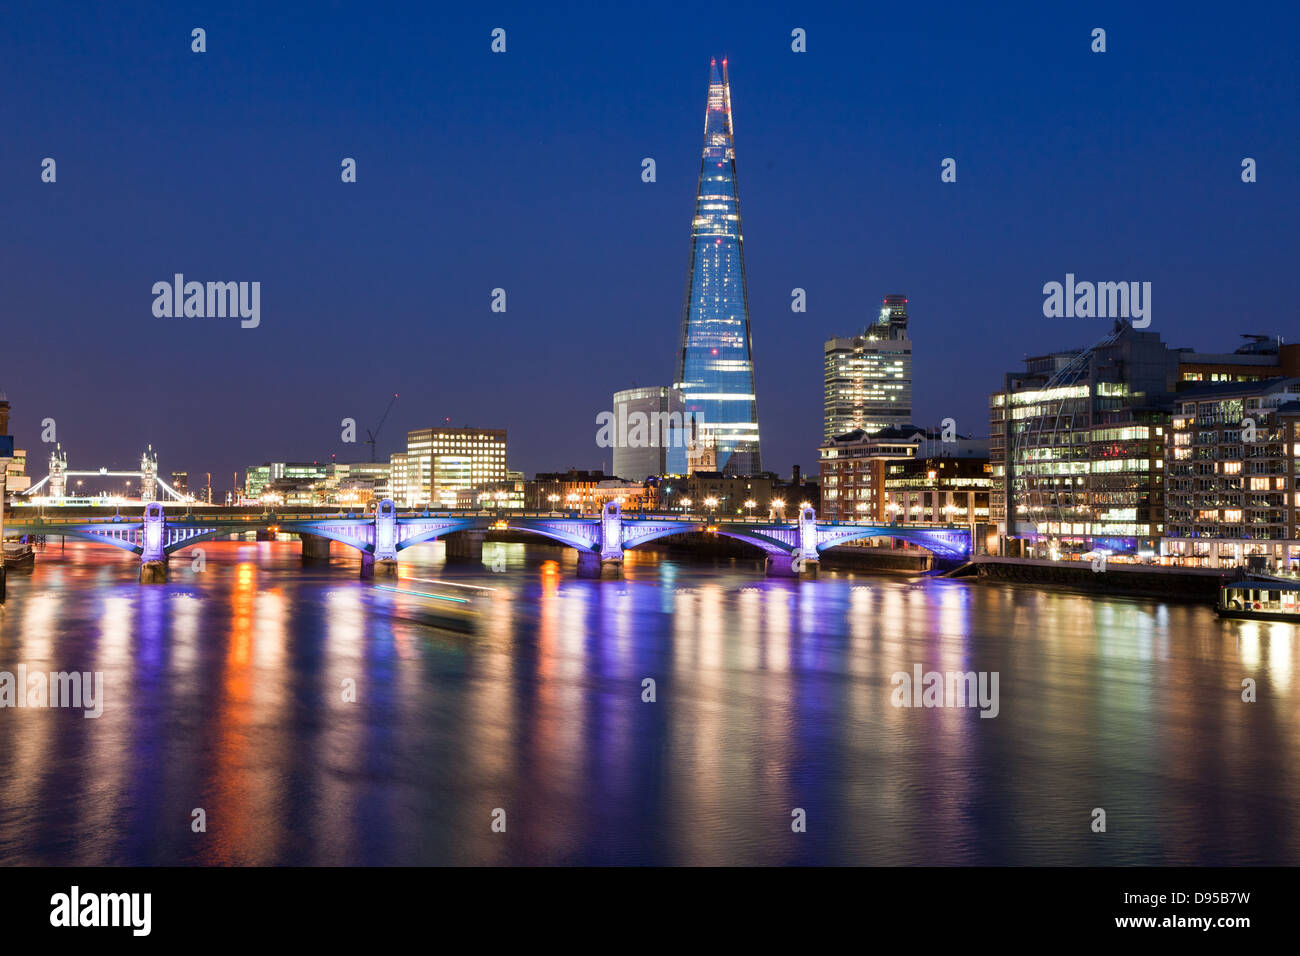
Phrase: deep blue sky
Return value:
(522, 171)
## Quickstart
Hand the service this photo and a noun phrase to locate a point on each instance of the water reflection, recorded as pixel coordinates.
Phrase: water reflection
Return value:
(316, 719)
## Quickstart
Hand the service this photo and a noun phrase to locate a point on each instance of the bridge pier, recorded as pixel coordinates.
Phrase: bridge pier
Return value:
(153, 555)
(465, 546)
(791, 566)
(372, 567)
(594, 565)
(315, 548)
(382, 562)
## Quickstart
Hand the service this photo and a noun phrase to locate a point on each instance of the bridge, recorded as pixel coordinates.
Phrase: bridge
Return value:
(792, 547)
(61, 489)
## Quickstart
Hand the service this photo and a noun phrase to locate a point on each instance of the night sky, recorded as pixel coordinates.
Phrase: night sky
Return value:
(523, 171)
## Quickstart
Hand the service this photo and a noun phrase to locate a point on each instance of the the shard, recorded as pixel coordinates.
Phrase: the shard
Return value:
(715, 369)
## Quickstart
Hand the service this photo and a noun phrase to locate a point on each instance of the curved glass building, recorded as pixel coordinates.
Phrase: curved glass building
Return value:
(715, 368)
(1078, 446)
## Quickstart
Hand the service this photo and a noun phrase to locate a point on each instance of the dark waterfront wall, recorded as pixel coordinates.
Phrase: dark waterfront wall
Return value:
(1198, 584)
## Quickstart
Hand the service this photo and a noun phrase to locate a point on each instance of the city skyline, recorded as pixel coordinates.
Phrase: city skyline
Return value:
(352, 515)
(836, 148)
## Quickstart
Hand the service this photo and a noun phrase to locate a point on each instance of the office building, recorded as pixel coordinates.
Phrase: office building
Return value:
(357, 484)
(294, 474)
(869, 376)
(445, 460)
(1078, 439)
(15, 475)
(903, 473)
(1233, 466)
(398, 479)
(942, 490)
(649, 432)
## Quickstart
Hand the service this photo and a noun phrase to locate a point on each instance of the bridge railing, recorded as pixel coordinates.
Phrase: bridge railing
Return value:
(215, 515)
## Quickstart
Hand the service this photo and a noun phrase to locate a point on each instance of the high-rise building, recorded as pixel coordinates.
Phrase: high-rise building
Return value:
(1078, 444)
(1232, 462)
(869, 376)
(442, 461)
(715, 368)
(181, 482)
(1077, 447)
(650, 433)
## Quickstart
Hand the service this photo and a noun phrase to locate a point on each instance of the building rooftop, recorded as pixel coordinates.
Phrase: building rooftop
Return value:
(1216, 390)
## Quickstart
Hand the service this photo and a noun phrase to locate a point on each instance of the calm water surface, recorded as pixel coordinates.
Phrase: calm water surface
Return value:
(223, 690)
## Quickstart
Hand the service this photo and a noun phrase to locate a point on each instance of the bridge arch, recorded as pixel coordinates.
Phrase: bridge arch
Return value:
(559, 537)
(942, 542)
(123, 544)
(452, 526)
(768, 543)
(209, 534)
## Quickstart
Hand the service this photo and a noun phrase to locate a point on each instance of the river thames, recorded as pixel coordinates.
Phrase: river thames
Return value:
(315, 718)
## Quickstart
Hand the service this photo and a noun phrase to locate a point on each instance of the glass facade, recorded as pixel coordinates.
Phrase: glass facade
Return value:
(1234, 473)
(715, 370)
(1080, 460)
(869, 377)
(651, 433)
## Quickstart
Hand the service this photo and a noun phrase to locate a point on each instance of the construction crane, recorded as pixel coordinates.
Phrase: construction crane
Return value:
(372, 435)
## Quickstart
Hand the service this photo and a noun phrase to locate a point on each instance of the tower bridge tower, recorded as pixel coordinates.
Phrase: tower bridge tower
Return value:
(58, 472)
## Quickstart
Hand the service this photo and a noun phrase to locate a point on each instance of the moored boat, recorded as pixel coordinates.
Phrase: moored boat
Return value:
(17, 554)
(1260, 598)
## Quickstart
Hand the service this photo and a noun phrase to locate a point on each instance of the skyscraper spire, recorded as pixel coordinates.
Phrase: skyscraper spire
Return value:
(715, 369)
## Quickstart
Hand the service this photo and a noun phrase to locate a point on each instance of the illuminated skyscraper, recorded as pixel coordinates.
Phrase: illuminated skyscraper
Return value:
(715, 369)
(869, 377)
